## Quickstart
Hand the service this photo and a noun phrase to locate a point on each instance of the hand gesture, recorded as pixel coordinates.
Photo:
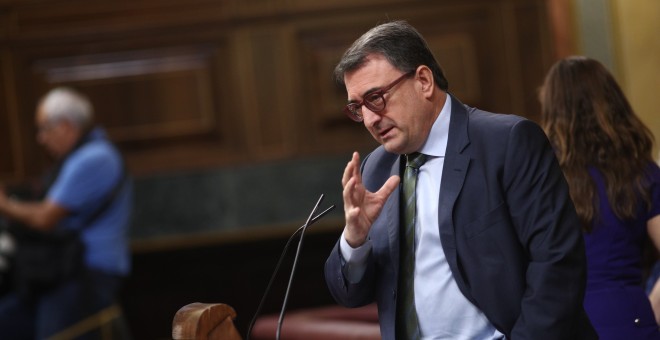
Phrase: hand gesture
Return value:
(362, 207)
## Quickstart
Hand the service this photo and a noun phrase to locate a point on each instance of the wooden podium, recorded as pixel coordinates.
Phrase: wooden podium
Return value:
(205, 321)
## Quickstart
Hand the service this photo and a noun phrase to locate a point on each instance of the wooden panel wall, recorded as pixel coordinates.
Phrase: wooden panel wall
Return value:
(201, 83)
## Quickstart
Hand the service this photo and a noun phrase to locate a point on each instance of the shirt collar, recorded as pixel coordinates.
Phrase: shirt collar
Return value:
(436, 143)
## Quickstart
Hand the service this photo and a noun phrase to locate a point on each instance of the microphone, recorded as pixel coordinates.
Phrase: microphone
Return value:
(310, 220)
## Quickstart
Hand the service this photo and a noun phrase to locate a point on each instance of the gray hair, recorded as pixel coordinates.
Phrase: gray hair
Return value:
(63, 103)
(399, 43)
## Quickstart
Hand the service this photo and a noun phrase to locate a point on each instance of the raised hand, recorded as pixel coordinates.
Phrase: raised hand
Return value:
(362, 207)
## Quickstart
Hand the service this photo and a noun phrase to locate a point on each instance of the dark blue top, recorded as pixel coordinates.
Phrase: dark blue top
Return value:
(615, 299)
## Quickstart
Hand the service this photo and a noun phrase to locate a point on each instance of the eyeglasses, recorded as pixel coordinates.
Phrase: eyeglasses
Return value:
(374, 101)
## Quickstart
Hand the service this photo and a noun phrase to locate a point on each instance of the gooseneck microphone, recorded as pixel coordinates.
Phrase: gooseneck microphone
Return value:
(310, 220)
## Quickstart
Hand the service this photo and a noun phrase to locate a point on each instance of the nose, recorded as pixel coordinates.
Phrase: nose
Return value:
(369, 117)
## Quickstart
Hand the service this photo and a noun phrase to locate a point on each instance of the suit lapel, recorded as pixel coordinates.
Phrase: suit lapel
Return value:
(393, 217)
(453, 177)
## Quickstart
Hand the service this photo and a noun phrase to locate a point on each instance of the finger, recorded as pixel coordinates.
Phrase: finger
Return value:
(356, 167)
(348, 193)
(390, 185)
(348, 173)
(351, 170)
(352, 216)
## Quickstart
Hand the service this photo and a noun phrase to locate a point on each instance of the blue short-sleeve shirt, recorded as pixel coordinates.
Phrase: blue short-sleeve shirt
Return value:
(87, 178)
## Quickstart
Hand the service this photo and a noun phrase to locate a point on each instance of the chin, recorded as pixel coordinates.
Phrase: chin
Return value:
(391, 148)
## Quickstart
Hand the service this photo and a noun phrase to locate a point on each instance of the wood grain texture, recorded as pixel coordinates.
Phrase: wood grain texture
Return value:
(202, 84)
(203, 321)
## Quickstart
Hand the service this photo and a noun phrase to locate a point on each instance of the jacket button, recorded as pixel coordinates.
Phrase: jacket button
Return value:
(637, 322)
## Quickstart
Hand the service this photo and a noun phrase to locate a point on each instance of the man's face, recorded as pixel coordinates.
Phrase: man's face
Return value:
(55, 136)
(400, 127)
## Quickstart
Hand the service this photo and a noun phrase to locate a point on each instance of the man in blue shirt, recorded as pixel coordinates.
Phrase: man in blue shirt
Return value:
(89, 192)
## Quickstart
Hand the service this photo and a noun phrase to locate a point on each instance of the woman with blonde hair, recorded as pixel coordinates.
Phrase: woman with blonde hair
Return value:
(605, 152)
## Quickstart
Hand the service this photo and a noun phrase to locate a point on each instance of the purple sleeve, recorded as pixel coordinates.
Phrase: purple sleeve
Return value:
(654, 178)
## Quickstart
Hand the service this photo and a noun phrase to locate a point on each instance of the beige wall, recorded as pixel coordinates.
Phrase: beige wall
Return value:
(637, 49)
(623, 34)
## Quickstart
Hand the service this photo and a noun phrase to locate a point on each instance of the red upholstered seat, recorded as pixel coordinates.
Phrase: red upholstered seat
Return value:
(331, 322)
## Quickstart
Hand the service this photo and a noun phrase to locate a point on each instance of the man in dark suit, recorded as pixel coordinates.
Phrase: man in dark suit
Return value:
(490, 247)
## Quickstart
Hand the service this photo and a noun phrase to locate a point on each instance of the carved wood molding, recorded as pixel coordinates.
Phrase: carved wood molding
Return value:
(207, 83)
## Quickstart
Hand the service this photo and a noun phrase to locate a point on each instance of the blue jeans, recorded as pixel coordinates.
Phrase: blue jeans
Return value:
(42, 316)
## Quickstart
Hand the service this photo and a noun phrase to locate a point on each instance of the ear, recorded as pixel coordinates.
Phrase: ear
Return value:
(424, 76)
(70, 129)
(67, 125)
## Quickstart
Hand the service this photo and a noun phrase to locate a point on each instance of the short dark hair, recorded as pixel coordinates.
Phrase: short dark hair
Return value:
(399, 43)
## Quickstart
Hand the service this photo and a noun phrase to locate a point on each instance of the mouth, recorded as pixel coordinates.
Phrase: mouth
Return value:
(383, 133)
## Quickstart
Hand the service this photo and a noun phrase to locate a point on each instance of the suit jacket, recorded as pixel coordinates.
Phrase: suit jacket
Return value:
(507, 226)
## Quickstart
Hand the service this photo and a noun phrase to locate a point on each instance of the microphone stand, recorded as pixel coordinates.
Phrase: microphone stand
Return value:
(300, 230)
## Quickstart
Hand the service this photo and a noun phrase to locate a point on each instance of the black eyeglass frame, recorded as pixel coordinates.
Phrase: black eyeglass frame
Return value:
(372, 100)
